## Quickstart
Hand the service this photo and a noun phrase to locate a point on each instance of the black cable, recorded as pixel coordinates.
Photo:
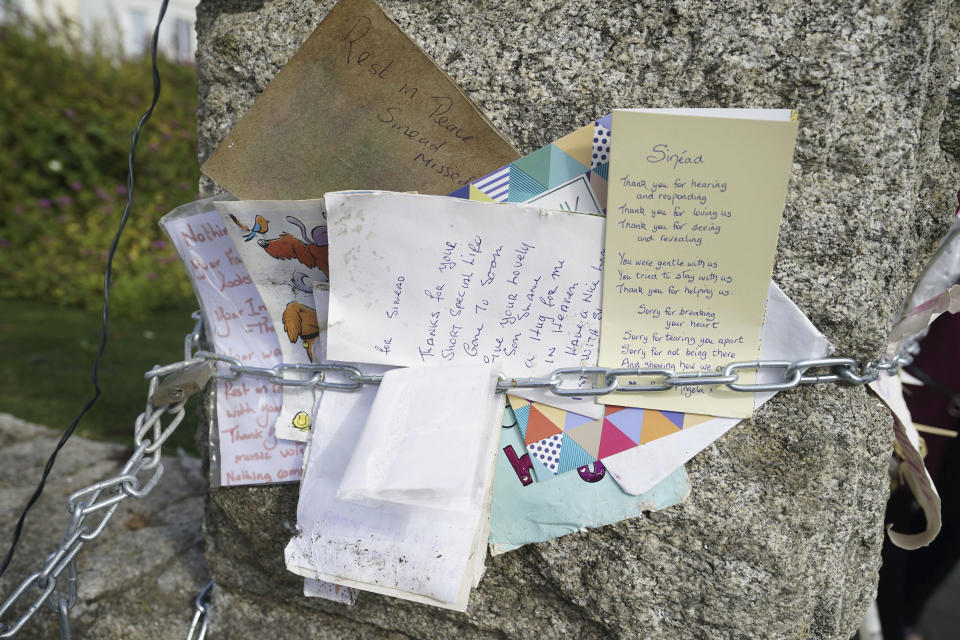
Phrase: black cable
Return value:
(953, 407)
(107, 275)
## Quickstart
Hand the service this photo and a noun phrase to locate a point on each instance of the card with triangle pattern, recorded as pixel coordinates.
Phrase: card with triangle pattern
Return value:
(559, 441)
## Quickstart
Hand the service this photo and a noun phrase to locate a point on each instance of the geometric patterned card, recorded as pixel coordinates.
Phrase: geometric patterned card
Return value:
(561, 441)
(579, 162)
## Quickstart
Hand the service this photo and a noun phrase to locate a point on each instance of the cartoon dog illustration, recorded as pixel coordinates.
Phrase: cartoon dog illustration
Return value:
(300, 323)
(311, 252)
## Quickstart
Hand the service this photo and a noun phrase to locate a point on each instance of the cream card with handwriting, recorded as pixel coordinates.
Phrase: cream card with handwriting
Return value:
(693, 211)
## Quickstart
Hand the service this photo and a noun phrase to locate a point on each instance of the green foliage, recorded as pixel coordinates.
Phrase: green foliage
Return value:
(45, 357)
(66, 117)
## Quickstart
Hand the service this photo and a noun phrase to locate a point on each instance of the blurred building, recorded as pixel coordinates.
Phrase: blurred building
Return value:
(117, 27)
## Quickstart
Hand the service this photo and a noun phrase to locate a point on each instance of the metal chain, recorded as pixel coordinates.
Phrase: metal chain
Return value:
(92, 507)
(201, 614)
(578, 381)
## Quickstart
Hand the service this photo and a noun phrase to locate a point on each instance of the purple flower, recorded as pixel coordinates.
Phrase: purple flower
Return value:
(107, 211)
(103, 195)
(4, 243)
(165, 259)
(122, 190)
(159, 244)
(69, 114)
(43, 203)
(76, 185)
(151, 276)
(63, 201)
(155, 146)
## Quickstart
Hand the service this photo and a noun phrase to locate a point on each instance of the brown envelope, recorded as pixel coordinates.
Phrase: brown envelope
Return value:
(359, 106)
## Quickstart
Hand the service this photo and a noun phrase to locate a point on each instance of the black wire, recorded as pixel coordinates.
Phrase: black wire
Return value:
(931, 382)
(107, 276)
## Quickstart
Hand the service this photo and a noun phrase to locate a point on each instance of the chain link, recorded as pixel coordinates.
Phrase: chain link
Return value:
(581, 381)
(201, 614)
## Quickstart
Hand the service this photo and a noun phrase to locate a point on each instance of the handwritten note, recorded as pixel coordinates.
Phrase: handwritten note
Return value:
(360, 105)
(239, 325)
(423, 280)
(694, 207)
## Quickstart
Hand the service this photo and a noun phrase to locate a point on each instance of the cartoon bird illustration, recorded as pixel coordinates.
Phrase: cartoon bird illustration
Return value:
(312, 252)
(260, 225)
(300, 323)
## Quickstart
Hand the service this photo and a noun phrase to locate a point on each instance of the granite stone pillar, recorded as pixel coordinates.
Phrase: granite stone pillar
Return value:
(781, 535)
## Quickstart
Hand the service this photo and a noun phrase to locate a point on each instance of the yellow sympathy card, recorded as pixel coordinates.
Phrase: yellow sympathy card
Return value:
(693, 212)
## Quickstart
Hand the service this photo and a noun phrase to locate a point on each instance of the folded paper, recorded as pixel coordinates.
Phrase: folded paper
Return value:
(429, 439)
(430, 556)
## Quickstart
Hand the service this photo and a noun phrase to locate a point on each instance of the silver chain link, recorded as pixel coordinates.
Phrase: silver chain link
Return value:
(188, 376)
(201, 614)
(579, 381)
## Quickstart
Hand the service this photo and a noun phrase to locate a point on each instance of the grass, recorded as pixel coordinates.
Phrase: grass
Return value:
(46, 353)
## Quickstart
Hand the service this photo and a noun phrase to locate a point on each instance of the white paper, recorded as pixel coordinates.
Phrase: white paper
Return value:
(427, 280)
(424, 555)
(575, 194)
(329, 591)
(912, 468)
(283, 245)
(239, 326)
(787, 334)
(428, 440)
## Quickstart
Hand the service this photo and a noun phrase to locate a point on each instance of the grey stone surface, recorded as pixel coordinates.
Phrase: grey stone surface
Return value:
(138, 580)
(781, 535)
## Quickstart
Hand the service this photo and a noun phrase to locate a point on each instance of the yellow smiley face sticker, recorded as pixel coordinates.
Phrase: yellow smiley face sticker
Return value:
(301, 421)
